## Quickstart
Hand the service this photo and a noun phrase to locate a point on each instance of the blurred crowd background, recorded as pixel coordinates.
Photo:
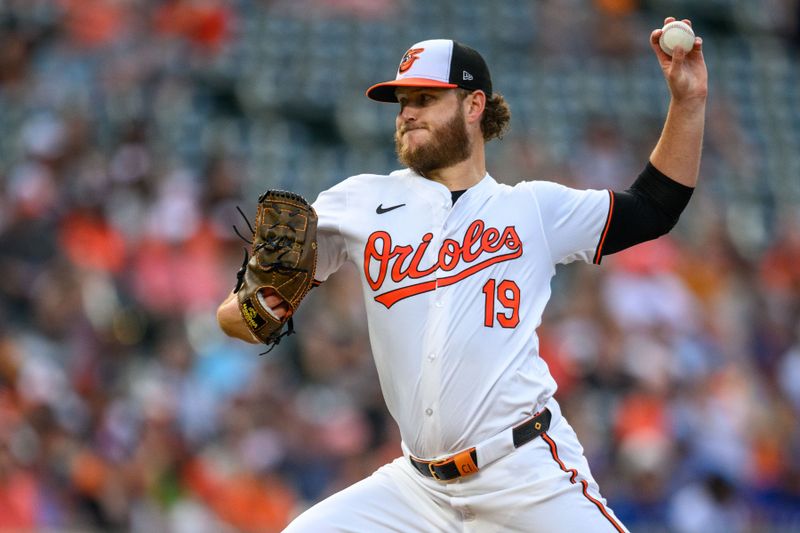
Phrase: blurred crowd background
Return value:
(130, 130)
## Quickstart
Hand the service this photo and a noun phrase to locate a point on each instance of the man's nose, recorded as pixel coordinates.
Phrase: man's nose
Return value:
(408, 113)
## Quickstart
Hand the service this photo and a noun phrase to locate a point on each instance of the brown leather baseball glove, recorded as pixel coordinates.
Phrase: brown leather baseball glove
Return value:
(283, 258)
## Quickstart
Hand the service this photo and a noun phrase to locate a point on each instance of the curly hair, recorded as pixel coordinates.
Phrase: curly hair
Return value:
(496, 115)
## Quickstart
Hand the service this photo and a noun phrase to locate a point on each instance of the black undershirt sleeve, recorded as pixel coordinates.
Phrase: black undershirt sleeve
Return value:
(649, 209)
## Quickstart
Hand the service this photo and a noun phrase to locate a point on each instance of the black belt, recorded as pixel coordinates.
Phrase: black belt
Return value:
(465, 463)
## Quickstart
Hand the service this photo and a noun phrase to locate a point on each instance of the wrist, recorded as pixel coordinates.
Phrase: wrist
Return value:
(694, 103)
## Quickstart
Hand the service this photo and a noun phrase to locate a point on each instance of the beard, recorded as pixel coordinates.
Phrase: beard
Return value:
(449, 145)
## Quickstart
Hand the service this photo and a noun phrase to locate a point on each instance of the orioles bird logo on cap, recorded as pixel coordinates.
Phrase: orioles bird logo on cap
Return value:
(409, 58)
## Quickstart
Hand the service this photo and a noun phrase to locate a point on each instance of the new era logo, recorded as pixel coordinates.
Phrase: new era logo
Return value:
(467, 76)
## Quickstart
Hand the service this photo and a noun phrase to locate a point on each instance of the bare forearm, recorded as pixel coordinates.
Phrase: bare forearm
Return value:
(231, 322)
(677, 153)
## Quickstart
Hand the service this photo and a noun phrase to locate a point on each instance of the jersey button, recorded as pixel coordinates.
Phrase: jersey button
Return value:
(438, 303)
(429, 411)
(431, 356)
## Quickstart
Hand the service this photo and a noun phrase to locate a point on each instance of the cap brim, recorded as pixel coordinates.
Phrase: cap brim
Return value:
(384, 92)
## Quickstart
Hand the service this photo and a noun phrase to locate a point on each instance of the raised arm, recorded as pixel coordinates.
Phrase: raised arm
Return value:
(677, 153)
(651, 206)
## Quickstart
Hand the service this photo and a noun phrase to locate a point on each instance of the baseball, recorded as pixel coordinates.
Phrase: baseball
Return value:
(674, 34)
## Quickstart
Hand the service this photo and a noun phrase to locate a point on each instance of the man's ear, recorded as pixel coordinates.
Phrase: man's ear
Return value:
(474, 104)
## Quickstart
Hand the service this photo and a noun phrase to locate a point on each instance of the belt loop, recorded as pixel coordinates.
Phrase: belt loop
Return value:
(466, 462)
(533, 427)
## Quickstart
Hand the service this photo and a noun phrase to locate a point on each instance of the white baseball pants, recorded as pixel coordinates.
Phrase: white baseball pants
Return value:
(543, 486)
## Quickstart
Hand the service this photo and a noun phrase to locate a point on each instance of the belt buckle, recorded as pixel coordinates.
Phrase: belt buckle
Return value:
(432, 470)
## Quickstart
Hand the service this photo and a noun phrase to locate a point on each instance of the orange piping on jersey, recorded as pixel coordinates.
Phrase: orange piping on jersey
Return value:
(584, 483)
(598, 254)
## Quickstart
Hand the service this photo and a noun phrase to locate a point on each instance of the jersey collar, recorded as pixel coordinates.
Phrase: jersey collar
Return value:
(482, 187)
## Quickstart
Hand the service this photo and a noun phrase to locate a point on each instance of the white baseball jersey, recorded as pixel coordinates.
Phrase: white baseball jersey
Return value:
(454, 293)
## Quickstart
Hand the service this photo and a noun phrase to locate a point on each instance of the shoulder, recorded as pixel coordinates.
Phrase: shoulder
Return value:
(356, 189)
(540, 187)
(363, 183)
(550, 191)
(523, 187)
(367, 180)
(554, 198)
(527, 190)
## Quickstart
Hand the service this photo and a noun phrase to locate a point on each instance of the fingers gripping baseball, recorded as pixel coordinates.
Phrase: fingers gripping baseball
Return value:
(685, 70)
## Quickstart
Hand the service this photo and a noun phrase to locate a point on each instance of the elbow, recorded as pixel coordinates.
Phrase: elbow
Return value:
(667, 223)
(658, 230)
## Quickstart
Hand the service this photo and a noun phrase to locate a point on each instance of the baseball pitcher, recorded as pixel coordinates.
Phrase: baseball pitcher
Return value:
(455, 271)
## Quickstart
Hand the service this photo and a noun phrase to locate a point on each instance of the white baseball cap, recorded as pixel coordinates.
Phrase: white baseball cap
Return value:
(437, 63)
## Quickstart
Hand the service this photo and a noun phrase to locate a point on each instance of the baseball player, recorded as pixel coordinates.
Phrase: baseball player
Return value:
(455, 272)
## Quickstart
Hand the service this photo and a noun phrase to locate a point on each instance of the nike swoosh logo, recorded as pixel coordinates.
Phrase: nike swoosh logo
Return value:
(381, 210)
